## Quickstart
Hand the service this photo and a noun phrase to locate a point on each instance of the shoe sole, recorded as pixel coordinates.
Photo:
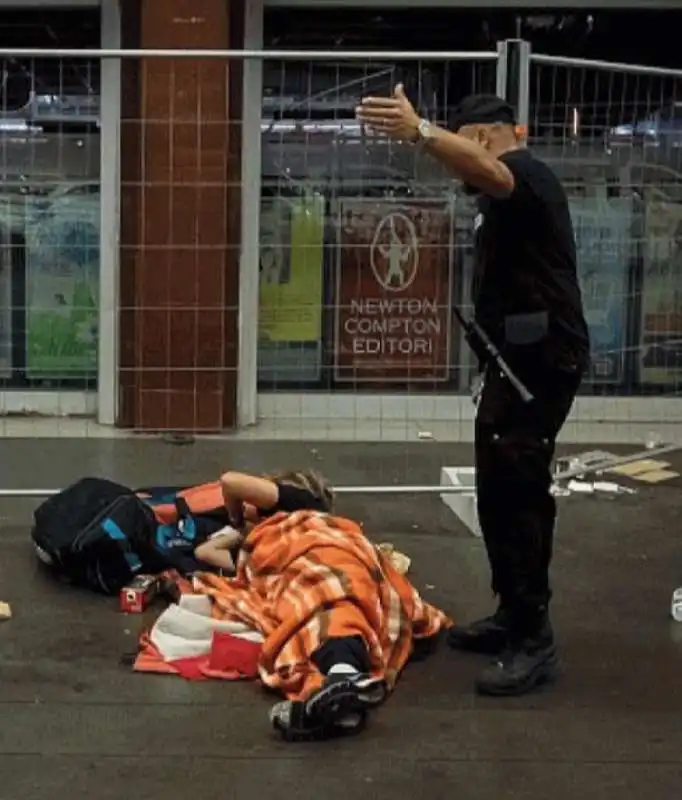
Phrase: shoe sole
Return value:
(309, 730)
(338, 700)
(542, 676)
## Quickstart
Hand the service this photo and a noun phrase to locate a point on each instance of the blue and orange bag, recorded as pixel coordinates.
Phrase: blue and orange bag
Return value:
(186, 517)
(99, 534)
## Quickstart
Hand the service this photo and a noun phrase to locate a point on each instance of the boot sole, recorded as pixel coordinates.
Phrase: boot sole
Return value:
(544, 675)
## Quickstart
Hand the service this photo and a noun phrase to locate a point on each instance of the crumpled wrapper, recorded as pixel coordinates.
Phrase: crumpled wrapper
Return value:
(399, 561)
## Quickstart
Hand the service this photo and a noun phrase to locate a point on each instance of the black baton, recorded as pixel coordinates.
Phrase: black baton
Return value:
(484, 349)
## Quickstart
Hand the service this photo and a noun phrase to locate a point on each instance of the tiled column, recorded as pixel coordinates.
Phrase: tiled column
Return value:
(180, 236)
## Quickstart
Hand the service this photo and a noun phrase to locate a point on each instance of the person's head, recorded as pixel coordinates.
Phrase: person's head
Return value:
(312, 482)
(487, 120)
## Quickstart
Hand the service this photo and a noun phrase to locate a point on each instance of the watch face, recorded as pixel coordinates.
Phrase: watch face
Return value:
(425, 129)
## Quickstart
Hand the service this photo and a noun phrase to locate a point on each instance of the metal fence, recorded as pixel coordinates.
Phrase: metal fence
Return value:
(613, 132)
(362, 245)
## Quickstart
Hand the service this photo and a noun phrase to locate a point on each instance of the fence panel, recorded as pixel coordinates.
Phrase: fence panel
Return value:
(49, 223)
(362, 240)
(363, 246)
(614, 134)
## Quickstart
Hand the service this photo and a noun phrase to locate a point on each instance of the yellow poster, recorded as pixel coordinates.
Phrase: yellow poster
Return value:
(660, 351)
(291, 268)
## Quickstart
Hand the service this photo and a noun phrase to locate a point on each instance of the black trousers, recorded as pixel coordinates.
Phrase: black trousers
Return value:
(349, 650)
(514, 446)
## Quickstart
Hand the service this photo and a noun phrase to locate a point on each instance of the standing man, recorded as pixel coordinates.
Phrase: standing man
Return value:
(527, 299)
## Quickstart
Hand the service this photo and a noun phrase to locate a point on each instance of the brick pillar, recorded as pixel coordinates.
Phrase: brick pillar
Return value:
(180, 165)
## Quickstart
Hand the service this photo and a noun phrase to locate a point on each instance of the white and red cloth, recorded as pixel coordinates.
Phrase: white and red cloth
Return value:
(187, 640)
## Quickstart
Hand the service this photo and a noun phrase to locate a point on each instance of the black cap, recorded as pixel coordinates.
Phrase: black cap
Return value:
(482, 109)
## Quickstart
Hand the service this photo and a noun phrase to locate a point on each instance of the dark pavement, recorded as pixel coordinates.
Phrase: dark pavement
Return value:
(74, 723)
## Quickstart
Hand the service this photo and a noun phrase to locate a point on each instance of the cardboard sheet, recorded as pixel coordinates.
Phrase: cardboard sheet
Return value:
(635, 468)
(656, 476)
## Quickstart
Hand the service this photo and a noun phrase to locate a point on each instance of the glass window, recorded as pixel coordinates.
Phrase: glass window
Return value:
(49, 205)
(363, 243)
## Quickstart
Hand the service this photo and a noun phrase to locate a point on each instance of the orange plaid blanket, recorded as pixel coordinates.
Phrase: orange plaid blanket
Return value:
(306, 577)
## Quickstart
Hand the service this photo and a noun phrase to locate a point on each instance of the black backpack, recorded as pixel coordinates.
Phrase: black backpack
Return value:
(95, 534)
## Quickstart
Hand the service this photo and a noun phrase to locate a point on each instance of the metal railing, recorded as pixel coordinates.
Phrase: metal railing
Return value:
(561, 475)
(254, 55)
(525, 99)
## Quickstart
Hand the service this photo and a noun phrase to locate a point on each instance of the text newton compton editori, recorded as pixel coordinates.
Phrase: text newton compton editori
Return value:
(405, 326)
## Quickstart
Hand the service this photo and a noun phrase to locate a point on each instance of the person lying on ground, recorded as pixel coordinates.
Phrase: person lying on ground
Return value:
(250, 499)
(339, 622)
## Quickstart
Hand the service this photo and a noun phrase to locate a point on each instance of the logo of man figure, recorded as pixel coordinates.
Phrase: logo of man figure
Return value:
(399, 253)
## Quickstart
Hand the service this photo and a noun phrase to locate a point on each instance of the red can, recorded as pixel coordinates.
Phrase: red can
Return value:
(138, 594)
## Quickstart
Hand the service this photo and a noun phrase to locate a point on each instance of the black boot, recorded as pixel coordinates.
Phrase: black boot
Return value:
(488, 636)
(528, 662)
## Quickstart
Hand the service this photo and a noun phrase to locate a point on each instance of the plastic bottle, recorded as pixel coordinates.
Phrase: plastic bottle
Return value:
(676, 605)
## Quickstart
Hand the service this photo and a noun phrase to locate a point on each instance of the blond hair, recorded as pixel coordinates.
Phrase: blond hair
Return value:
(311, 481)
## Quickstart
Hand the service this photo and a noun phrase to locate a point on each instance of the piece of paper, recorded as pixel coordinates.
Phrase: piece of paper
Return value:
(657, 476)
(5, 611)
(635, 468)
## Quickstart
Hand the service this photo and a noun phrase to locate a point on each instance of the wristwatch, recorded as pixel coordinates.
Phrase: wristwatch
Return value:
(424, 131)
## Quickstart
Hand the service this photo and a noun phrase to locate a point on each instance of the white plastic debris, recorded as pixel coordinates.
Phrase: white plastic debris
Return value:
(606, 486)
(653, 440)
(580, 487)
(427, 435)
(5, 611)
(596, 487)
(612, 488)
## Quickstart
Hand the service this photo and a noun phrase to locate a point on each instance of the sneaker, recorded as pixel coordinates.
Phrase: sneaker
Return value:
(488, 636)
(521, 668)
(339, 707)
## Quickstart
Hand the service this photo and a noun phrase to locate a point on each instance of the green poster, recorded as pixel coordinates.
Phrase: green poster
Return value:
(62, 276)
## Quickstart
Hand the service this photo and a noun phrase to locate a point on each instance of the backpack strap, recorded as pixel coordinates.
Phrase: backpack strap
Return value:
(182, 507)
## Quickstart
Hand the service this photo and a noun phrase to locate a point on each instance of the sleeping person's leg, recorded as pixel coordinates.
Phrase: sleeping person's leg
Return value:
(342, 653)
(344, 661)
(348, 692)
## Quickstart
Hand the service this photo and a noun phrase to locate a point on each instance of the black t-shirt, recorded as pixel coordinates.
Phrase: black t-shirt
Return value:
(293, 498)
(526, 289)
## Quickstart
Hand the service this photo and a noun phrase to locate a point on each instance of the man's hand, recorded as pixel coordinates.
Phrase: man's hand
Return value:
(393, 116)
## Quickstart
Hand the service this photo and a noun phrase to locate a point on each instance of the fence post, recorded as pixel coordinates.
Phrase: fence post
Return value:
(513, 76)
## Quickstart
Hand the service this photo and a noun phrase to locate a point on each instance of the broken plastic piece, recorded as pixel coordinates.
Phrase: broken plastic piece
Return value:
(608, 486)
(653, 440)
(5, 611)
(580, 487)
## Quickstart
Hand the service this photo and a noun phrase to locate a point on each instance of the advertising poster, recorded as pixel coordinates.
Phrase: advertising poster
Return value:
(291, 287)
(660, 350)
(603, 230)
(394, 290)
(62, 277)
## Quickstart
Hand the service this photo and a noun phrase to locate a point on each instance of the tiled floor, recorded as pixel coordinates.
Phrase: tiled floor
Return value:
(349, 430)
(75, 723)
